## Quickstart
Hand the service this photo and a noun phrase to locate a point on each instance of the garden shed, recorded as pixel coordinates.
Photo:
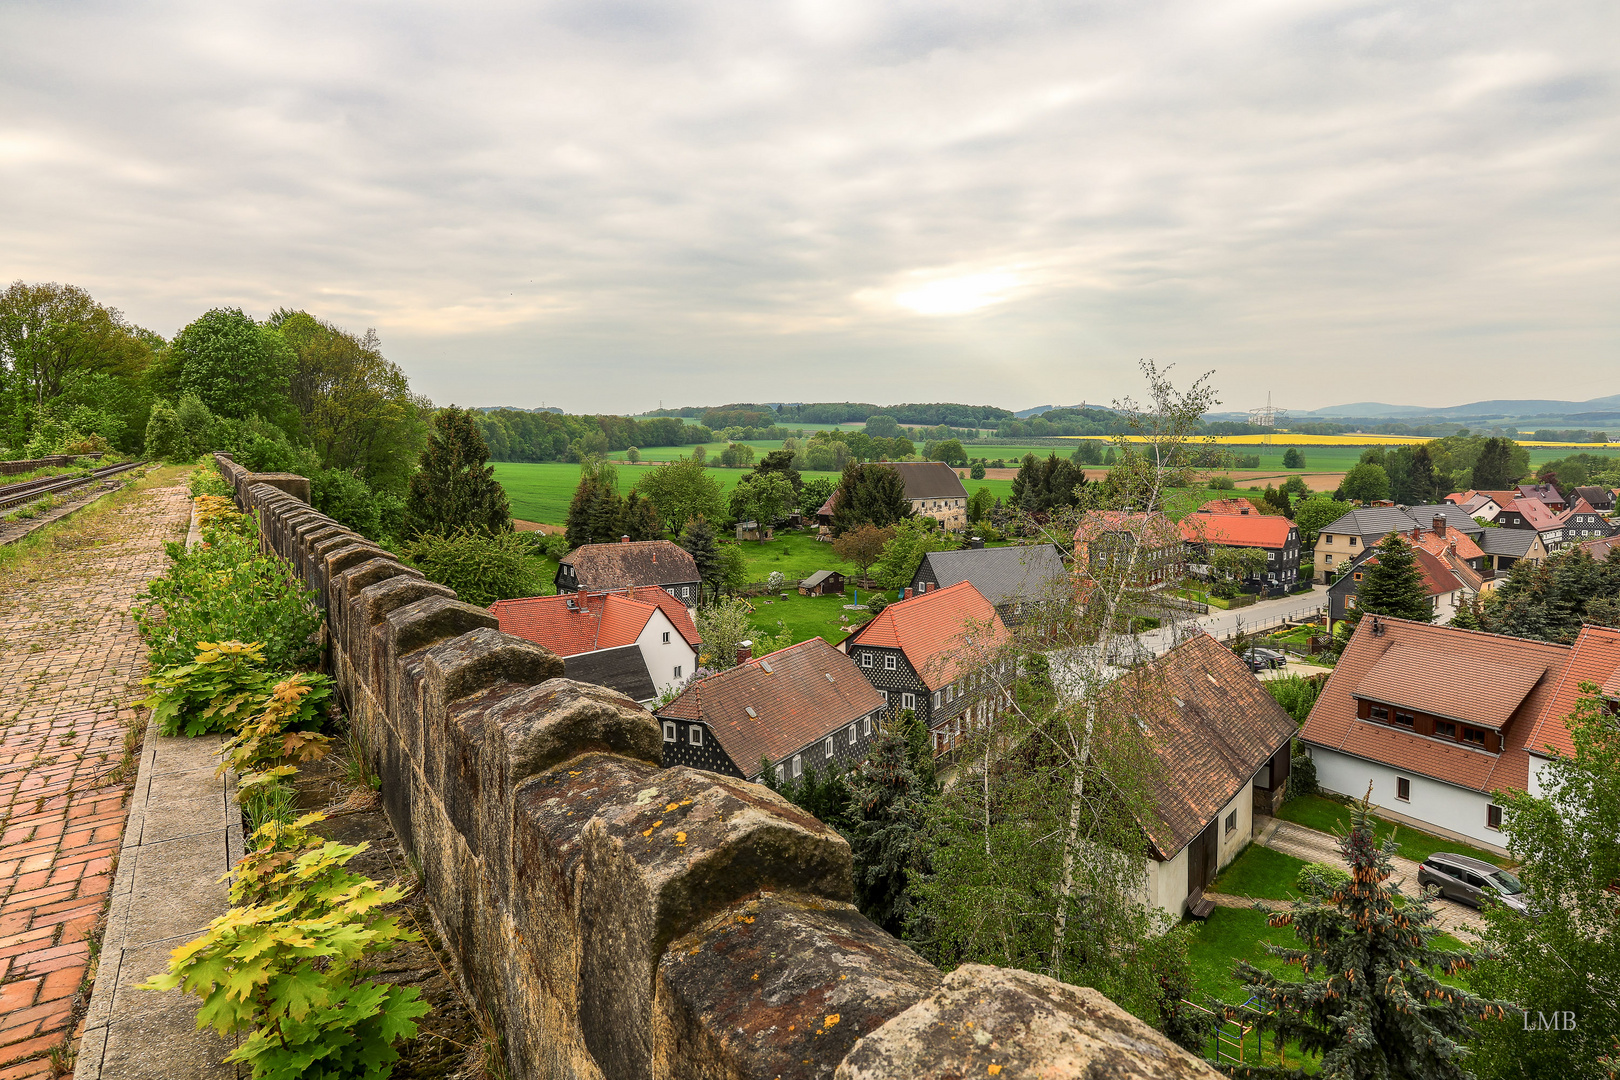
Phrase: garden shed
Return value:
(822, 583)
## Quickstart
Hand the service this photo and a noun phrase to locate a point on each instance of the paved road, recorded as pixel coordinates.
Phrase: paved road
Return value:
(70, 662)
(1313, 845)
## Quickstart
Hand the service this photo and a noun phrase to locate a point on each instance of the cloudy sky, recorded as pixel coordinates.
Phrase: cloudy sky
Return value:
(608, 204)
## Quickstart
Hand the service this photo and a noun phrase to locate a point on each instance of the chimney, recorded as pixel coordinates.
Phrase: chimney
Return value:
(745, 651)
(624, 539)
(1440, 524)
(907, 595)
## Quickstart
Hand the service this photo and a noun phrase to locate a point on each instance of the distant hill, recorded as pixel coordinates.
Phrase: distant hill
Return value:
(1025, 414)
(1500, 407)
(516, 408)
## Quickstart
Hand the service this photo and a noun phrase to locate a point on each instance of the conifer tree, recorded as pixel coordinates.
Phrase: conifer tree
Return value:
(640, 520)
(1370, 1004)
(888, 804)
(869, 495)
(1392, 585)
(454, 488)
(698, 541)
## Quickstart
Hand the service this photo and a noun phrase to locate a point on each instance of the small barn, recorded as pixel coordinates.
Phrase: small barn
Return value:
(752, 530)
(822, 583)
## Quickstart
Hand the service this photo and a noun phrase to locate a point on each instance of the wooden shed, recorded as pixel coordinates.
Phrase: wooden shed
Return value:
(822, 583)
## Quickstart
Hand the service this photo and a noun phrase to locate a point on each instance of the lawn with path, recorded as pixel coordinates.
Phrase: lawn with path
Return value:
(1330, 816)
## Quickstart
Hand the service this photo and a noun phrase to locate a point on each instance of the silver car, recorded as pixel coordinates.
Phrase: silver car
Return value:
(1471, 881)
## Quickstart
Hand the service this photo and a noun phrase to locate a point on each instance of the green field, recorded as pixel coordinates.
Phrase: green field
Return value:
(540, 491)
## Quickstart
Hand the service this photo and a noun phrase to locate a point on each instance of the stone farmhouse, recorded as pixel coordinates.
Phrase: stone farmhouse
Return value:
(805, 705)
(630, 564)
(579, 625)
(1222, 742)
(931, 654)
(932, 487)
(1438, 719)
(1014, 579)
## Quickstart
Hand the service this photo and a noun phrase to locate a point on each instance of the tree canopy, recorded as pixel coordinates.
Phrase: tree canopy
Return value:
(453, 487)
(869, 495)
(237, 367)
(1393, 585)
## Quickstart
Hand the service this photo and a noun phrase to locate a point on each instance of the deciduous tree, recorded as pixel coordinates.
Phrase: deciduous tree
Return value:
(1366, 482)
(238, 367)
(682, 490)
(863, 546)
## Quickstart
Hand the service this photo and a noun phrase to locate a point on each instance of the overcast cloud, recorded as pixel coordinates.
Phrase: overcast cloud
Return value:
(604, 205)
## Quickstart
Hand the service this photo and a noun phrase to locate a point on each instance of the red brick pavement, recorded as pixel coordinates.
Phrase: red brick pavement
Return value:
(70, 663)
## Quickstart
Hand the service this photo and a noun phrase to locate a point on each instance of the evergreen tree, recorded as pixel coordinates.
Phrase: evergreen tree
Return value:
(698, 541)
(888, 812)
(919, 750)
(869, 495)
(1392, 585)
(1370, 1003)
(453, 488)
(640, 520)
(1028, 487)
(1550, 600)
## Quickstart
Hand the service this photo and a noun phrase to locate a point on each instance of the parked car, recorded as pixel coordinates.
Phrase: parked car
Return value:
(1471, 881)
(1260, 659)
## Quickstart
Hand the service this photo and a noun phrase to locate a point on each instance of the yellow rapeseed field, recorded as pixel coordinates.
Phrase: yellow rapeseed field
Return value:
(1284, 438)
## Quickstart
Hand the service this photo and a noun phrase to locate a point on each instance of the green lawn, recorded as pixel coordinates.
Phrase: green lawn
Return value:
(540, 491)
(1329, 815)
(1260, 872)
(807, 616)
(796, 553)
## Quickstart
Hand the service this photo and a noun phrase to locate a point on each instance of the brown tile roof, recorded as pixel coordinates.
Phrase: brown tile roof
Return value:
(1241, 507)
(1594, 658)
(928, 479)
(644, 562)
(1600, 548)
(942, 632)
(1212, 726)
(1432, 682)
(793, 701)
(1465, 684)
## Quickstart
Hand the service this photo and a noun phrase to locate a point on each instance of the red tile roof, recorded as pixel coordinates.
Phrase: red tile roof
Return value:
(1536, 514)
(1600, 548)
(1234, 530)
(1594, 658)
(794, 702)
(1438, 580)
(943, 632)
(1241, 507)
(1465, 683)
(595, 621)
(1453, 540)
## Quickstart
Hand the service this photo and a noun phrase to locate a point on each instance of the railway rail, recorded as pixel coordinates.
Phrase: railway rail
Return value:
(17, 494)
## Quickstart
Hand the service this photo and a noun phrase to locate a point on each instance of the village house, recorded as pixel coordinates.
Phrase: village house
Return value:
(1015, 579)
(1273, 535)
(1504, 547)
(1222, 743)
(1557, 530)
(822, 583)
(1150, 544)
(1445, 590)
(1438, 719)
(932, 488)
(1582, 522)
(657, 625)
(805, 706)
(1482, 505)
(1546, 494)
(1342, 541)
(934, 654)
(630, 564)
(1598, 497)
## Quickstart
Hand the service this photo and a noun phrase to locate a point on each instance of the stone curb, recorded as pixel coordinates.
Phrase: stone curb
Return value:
(183, 833)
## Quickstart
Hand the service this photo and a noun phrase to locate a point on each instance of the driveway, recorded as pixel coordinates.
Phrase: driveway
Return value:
(1312, 845)
(1224, 624)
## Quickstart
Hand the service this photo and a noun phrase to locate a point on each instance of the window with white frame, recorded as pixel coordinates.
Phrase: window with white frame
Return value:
(936, 699)
(826, 746)
(686, 592)
(866, 725)
(950, 693)
(853, 734)
(669, 731)
(677, 671)
(908, 701)
(889, 663)
(694, 735)
(798, 765)
(866, 659)
(885, 694)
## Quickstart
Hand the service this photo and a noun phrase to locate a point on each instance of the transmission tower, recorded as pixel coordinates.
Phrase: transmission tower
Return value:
(1268, 415)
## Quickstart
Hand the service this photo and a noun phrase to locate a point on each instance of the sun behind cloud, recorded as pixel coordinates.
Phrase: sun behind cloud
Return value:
(960, 295)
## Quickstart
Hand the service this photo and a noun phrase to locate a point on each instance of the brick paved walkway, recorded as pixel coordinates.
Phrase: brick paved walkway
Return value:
(70, 663)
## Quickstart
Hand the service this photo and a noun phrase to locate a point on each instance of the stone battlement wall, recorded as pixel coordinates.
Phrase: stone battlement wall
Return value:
(619, 920)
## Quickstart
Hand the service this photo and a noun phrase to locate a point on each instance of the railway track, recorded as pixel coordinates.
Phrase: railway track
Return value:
(17, 494)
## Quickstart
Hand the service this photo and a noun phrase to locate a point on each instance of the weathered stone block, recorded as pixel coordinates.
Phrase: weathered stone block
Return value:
(347, 584)
(779, 986)
(538, 729)
(986, 1021)
(366, 622)
(651, 854)
(293, 484)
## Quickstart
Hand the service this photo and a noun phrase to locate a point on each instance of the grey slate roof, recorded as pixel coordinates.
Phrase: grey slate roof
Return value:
(1514, 543)
(1372, 522)
(928, 479)
(623, 669)
(1004, 574)
(816, 578)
